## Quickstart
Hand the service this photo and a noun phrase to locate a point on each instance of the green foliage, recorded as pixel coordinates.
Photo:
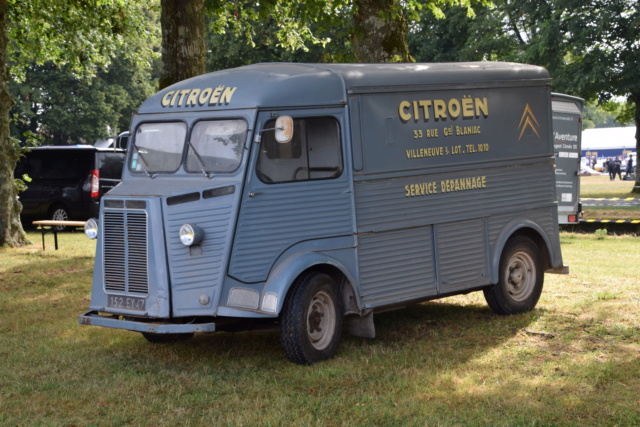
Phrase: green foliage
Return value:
(299, 31)
(59, 108)
(626, 112)
(460, 37)
(601, 233)
(255, 36)
(292, 26)
(58, 104)
(592, 49)
(20, 184)
(607, 114)
(83, 34)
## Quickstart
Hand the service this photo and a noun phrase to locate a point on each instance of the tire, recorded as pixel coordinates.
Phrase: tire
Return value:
(521, 278)
(59, 213)
(165, 338)
(311, 320)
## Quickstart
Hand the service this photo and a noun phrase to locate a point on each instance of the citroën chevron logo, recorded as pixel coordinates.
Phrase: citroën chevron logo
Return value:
(528, 120)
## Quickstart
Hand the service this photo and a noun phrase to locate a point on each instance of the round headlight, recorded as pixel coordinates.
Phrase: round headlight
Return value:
(191, 234)
(91, 228)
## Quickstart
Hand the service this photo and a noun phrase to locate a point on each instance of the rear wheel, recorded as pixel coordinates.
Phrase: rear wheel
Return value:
(311, 320)
(521, 278)
(59, 213)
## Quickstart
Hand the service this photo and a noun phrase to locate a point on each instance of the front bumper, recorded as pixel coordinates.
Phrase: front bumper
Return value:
(94, 318)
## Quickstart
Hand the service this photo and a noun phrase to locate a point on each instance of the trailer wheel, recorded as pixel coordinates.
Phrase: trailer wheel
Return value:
(521, 278)
(165, 338)
(311, 320)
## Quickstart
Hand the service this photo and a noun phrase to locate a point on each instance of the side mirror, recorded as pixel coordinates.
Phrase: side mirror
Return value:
(284, 129)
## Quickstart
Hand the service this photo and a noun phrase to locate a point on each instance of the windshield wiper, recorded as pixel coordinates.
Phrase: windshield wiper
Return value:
(202, 165)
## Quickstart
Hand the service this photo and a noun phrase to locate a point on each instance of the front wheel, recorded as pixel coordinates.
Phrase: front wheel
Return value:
(521, 278)
(311, 320)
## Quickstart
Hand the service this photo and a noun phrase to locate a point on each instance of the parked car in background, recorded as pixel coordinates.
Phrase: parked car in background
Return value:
(67, 182)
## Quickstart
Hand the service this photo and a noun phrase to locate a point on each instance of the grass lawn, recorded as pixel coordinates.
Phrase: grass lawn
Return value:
(575, 360)
(601, 187)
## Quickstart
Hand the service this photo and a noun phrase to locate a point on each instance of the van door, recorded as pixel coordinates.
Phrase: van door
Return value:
(296, 192)
(109, 165)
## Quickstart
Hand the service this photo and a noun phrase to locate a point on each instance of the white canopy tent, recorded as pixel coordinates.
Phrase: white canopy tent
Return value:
(608, 142)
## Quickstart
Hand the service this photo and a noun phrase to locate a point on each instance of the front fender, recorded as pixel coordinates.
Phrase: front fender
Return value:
(285, 274)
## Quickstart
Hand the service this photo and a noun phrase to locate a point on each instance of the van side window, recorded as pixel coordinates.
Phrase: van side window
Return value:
(313, 153)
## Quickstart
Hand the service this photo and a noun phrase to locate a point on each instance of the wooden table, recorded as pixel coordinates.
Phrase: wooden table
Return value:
(49, 226)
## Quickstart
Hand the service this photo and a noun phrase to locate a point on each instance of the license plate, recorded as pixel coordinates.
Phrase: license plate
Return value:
(126, 303)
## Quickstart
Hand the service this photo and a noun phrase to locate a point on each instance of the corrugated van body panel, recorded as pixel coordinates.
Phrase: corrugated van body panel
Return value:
(466, 223)
(462, 255)
(545, 218)
(398, 203)
(198, 271)
(396, 266)
(281, 215)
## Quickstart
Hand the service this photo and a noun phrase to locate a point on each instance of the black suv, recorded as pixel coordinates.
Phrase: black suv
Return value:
(67, 182)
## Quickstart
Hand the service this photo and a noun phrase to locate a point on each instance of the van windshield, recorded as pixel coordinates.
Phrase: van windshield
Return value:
(214, 146)
(158, 147)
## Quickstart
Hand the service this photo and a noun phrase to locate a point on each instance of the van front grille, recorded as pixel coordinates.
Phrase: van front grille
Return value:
(125, 251)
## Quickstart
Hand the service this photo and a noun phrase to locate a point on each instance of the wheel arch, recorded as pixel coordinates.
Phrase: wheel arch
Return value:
(522, 228)
(286, 274)
(55, 204)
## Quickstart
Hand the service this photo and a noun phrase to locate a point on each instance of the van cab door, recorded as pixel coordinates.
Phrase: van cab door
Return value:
(298, 193)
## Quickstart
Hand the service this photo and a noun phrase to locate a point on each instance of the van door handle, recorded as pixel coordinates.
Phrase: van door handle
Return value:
(254, 193)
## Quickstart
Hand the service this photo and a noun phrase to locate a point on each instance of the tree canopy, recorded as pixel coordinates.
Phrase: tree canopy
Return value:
(55, 107)
(82, 35)
(90, 62)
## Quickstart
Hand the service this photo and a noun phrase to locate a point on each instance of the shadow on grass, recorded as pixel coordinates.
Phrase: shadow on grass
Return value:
(428, 356)
(432, 328)
(428, 330)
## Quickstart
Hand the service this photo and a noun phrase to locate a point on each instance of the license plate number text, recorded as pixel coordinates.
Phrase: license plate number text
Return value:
(127, 303)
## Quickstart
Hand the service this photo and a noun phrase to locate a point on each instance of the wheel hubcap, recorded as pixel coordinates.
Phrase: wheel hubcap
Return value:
(60, 215)
(321, 320)
(521, 276)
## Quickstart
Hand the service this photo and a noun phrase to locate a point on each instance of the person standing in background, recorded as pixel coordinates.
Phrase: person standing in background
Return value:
(629, 169)
(611, 168)
(617, 168)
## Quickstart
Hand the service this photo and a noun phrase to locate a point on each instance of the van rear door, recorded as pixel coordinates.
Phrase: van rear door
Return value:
(109, 166)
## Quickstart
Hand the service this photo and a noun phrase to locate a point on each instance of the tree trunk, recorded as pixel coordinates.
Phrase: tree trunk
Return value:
(380, 32)
(11, 232)
(183, 49)
(635, 98)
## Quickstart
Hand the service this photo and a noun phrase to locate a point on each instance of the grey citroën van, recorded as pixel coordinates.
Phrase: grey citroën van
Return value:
(303, 194)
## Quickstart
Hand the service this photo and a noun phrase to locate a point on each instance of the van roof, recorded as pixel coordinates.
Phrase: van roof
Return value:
(279, 85)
